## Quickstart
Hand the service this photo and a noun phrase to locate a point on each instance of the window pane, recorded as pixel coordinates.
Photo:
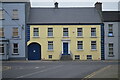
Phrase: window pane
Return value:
(50, 45)
(79, 31)
(80, 44)
(50, 56)
(110, 29)
(110, 45)
(89, 57)
(15, 14)
(1, 48)
(1, 32)
(65, 31)
(15, 32)
(93, 31)
(50, 31)
(35, 31)
(77, 56)
(1, 14)
(15, 48)
(93, 44)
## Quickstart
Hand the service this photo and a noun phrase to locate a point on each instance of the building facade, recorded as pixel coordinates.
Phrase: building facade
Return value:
(13, 18)
(65, 33)
(111, 27)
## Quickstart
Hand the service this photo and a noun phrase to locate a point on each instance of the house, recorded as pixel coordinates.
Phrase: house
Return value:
(13, 18)
(112, 36)
(66, 33)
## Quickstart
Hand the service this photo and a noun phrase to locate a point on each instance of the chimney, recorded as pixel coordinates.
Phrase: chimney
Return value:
(98, 6)
(56, 5)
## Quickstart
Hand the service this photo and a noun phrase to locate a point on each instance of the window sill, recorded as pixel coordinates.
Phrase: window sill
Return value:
(93, 49)
(80, 50)
(50, 37)
(2, 37)
(79, 36)
(15, 19)
(110, 55)
(110, 36)
(15, 54)
(15, 37)
(2, 54)
(2, 19)
(36, 37)
(65, 36)
(50, 50)
(93, 36)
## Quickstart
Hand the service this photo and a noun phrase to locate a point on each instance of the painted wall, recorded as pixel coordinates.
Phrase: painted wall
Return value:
(8, 24)
(58, 37)
(113, 40)
(119, 40)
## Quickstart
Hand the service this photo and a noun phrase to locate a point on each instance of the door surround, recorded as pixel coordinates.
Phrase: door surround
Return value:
(66, 41)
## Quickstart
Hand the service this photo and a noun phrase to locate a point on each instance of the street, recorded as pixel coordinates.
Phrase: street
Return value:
(60, 69)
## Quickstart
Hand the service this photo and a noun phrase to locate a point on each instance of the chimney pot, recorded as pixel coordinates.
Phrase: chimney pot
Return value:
(56, 4)
(98, 6)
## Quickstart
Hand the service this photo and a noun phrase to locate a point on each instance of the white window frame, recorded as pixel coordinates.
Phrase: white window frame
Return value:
(79, 32)
(15, 15)
(49, 56)
(110, 27)
(15, 32)
(2, 32)
(109, 47)
(81, 44)
(16, 48)
(2, 14)
(93, 32)
(76, 57)
(36, 33)
(3, 46)
(50, 43)
(50, 32)
(88, 58)
(66, 32)
(94, 44)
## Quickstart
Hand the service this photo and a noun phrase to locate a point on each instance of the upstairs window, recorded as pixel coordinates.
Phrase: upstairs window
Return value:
(110, 29)
(1, 14)
(35, 32)
(93, 45)
(1, 48)
(15, 14)
(15, 48)
(15, 32)
(79, 32)
(50, 32)
(1, 32)
(80, 45)
(93, 32)
(50, 45)
(65, 32)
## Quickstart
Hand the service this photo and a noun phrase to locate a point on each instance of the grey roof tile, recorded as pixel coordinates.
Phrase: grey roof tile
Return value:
(64, 15)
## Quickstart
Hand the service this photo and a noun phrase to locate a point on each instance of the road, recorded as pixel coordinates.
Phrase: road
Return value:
(58, 69)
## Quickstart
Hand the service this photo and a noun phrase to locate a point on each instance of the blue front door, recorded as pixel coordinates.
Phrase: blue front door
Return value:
(65, 48)
(34, 51)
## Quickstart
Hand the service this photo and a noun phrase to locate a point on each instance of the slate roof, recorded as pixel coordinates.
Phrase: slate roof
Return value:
(111, 16)
(64, 15)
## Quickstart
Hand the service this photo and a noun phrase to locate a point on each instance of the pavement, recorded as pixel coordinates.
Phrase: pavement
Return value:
(60, 69)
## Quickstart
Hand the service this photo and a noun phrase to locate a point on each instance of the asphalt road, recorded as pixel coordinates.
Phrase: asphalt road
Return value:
(53, 69)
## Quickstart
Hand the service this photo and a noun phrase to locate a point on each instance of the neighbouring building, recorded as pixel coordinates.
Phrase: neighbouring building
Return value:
(112, 34)
(13, 18)
(66, 33)
(119, 30)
